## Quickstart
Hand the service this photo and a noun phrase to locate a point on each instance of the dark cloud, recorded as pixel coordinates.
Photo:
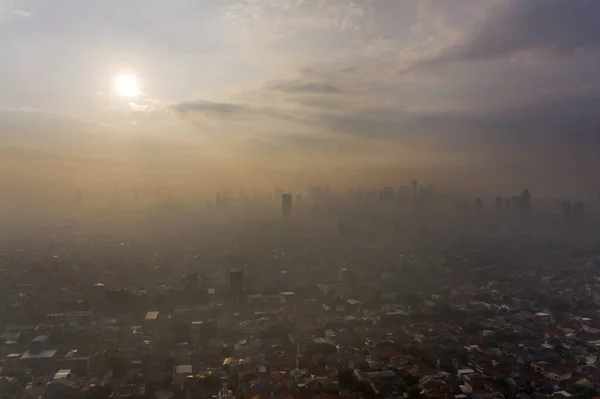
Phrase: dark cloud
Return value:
(567, 116)
(233, 112)
(298, 86)
(208, 108)
(548, 26)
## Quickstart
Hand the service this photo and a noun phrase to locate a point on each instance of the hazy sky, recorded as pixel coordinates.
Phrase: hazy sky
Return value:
(345, 85)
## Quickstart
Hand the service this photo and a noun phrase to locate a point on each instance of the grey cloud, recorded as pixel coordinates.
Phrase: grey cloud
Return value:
(185, 108)
(298, 86)
(549, 26)
(21, 14)
(574, 119)
(233, 112)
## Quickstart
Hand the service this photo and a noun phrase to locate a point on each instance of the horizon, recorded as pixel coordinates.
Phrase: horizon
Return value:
(485, 96)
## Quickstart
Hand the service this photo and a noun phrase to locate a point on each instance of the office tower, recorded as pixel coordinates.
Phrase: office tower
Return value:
(78, 201)
(515, 204)
(415, 190)
(525, 204)
(478, 205)
(578, 211)
(286, 205)
(566, 210)
(404, 194)
(499, 204)
(236, 284)
(97, 295)
(191, 281)
(386, 196)
(277, 193)
(298, 199)
(507, 204)
(426, 193)
(346, 276)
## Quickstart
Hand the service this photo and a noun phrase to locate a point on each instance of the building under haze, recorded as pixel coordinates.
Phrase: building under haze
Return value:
(286, 205)
(478, 205)
(578, 211)
(236, 283)
(386, 195)
(499, 204)
(525, 204)
(414, 190)
(565, 207)
(404, 193)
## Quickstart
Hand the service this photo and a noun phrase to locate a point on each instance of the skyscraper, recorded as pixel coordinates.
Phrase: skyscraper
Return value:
(387, 195)
(404, 194)
(499, 204)
(525, 204)
(286, 205)
(478, 205)
(236, 285)
(566, 209)
(415, 190)
(578, 211)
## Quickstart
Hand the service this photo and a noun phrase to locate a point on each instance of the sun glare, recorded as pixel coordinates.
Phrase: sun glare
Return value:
(126, 85)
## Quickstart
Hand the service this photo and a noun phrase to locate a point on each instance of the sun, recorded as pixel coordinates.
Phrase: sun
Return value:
(126, 85)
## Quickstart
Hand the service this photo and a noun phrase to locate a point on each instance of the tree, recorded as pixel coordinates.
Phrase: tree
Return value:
(99, 392)
(580, 392)
(414, 393)
(117, 364)
(347, 379)
(410, 380)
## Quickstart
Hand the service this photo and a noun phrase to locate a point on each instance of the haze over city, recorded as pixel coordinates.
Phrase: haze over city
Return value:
(473, 96)
(299, 199)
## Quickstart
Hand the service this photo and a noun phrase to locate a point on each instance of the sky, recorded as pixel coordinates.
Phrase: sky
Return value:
(488, 95)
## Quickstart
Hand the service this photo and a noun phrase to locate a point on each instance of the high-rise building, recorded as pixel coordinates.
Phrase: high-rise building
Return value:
(566, 210)
(298, 199)
(404, 193)
(387, 195)
(499, 204)
(578, 211)
(414, 190)
(221, 201)
(507, 204)
(525, 205)
(236, 284)
(286, 205)
(478, 205)
(191, 281)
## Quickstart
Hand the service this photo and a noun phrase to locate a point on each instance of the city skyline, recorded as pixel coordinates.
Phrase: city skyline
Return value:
(237, 91)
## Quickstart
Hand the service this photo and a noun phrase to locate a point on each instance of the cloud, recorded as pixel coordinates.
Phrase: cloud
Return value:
(298, 86)
(200, 107)
(21, 13)
(271, 17)
(551, 27)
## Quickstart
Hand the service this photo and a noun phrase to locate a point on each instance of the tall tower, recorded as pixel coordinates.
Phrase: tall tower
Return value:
(499, 204)
(478, 205)
(286, 205)
(566, 210)
(236, 283)
(415, 190)
(525, 204)
(578, 211)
